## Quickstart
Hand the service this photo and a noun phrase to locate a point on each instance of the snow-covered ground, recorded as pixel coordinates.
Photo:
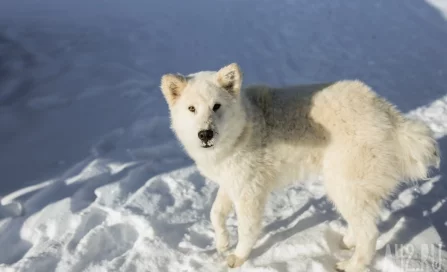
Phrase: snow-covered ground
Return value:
(85, 143)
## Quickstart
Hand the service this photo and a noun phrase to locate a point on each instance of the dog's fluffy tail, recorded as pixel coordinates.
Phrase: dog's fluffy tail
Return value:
(419, 150)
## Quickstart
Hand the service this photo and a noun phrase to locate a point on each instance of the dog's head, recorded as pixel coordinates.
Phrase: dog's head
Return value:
(206, 111)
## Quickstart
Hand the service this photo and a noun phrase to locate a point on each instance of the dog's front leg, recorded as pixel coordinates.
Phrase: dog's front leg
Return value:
(249, 210)
(222, 207)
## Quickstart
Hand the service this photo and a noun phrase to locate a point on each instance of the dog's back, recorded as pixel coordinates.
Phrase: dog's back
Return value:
(347, 113)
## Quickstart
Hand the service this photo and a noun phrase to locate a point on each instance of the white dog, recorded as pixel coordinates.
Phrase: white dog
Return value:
(252, 140)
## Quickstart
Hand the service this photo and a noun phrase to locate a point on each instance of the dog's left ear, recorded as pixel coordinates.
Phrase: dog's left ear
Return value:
(230, 78)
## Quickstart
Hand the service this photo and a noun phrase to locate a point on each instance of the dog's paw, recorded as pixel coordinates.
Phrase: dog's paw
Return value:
(341, 266)
(234, 261)
(349, 266)
(347, 243)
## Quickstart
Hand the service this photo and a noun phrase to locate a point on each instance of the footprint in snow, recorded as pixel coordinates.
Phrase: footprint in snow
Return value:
(88, 221)
(103, 244)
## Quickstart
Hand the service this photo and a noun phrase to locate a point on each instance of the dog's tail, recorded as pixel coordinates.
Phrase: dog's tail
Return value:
(419, 150)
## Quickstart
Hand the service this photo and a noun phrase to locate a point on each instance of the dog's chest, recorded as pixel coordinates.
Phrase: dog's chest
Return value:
(231, 172)
(223, 173)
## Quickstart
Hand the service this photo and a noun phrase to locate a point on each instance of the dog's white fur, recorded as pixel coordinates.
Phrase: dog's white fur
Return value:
(267, 137)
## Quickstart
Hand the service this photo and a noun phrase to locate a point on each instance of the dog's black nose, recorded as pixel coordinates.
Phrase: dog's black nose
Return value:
(206, 135)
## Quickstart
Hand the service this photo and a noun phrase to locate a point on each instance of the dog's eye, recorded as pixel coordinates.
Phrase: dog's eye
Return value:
(216, 107)
(192, 109)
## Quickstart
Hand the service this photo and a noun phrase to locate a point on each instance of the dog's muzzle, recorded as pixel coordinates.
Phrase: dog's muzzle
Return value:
(206, 136)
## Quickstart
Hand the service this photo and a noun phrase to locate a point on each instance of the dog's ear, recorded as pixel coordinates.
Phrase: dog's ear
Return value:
(230, 78)
(172, 87)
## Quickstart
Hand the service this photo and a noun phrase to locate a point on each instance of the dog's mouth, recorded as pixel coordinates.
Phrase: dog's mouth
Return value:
(207, 145)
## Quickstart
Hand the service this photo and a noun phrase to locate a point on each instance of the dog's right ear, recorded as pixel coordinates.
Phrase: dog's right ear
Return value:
(172, 87)
(230, 78)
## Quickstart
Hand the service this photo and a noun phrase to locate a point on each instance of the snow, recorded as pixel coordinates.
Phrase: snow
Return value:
(102, 183)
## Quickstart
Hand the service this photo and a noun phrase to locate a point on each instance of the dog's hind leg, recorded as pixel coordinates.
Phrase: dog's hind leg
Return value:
(358, 201)
(360, 211)
(365, 231)
(220, 210)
